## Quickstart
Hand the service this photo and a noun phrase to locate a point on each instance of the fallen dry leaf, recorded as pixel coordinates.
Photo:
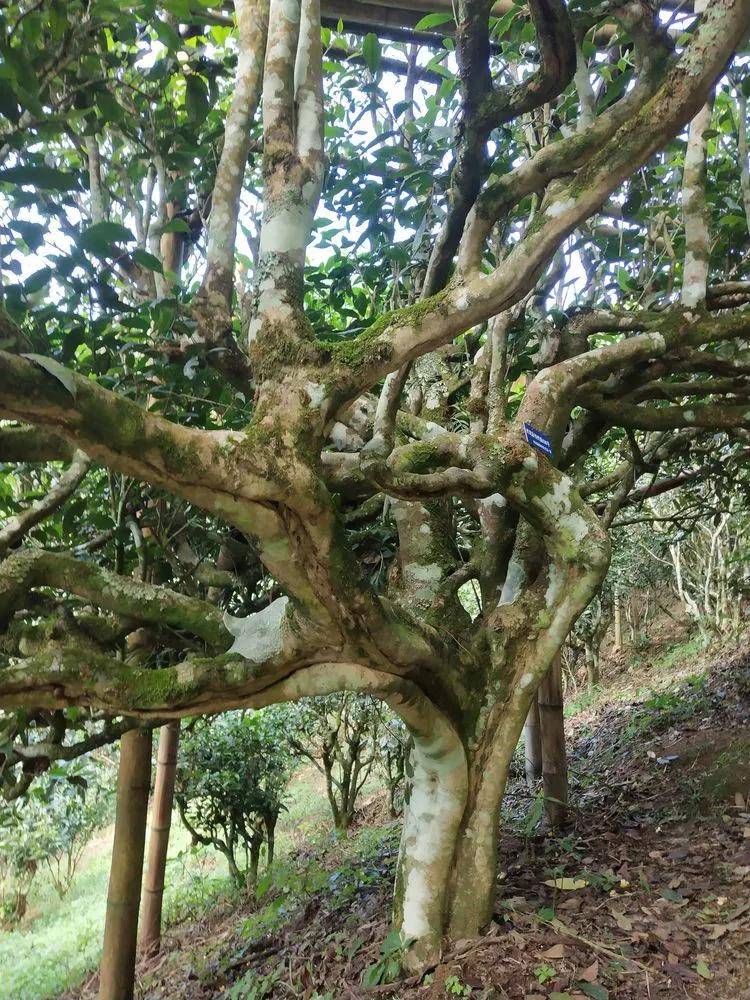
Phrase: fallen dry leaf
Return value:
(556, 951)
(591, 973)
(566, 884)
(623, 922)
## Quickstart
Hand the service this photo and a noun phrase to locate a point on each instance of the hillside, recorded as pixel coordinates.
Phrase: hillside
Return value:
(645, 895)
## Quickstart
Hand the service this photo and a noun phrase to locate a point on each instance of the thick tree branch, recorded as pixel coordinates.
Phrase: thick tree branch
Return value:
(32, 444)
(405, 334)
(252, 24)
(485, 108)
(37, 757)
(656, 418)
(195, 464)
(26, 569)
(694, 206)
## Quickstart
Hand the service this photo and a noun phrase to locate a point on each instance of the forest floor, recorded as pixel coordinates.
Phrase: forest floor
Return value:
(645, 896)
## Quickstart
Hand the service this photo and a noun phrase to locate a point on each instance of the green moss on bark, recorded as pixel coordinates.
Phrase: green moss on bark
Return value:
(278, 346)
(178, 459)
(156, 688)
(368, 348)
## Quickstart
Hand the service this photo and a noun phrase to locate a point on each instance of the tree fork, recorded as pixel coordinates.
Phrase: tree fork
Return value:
(117, 967)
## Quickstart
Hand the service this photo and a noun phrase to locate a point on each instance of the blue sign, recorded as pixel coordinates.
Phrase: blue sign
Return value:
(538, 440)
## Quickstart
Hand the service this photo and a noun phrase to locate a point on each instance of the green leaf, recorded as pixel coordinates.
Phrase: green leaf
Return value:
(162, 314)
(432, 21)
(9, 105)
(703, 970)
(58, 371)
(391, 943)
(24, 76)
(671, 896)
(197, 104)
(732, 220)
(264, 884)
(100, 237)
(44, 178)
(176, 226)
(147, 260)
(32, 233)
(535, 815)
(372, 976)
(391, 970)
(623, 279)
(371, 51)
(503, 24)
(109, 107)
(37, 281)
(167, 35)
(17, 63)
(594, 990)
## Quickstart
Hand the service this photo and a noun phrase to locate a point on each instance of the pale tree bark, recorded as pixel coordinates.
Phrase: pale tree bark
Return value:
(158, 222)
(116, 972)
(694, 206)
(213, 304)
(586, 95)
(436, 802)
(161, 821)
(252, 26)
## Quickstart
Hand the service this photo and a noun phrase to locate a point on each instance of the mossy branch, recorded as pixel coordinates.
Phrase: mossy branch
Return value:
(29, 568)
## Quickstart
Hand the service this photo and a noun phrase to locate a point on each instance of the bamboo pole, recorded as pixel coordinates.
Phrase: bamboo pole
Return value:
(161, 821)
(532, 740)
(554, 756)
(117, 969)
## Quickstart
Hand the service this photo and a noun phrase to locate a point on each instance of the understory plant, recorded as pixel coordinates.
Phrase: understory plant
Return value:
(231, 781)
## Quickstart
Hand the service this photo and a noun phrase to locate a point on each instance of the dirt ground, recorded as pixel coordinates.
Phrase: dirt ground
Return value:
(645, 896)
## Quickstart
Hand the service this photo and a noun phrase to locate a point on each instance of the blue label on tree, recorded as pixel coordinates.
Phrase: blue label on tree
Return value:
(537, 439)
